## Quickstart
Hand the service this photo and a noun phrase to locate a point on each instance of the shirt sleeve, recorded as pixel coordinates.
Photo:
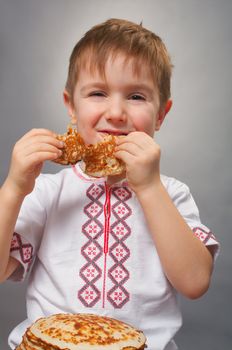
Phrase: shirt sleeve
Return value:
(28, 231)
(184, 202)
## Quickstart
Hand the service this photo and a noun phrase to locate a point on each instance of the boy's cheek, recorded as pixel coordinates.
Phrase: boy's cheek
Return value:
(145, 125)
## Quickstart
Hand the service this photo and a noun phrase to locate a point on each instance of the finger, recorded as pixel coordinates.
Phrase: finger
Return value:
(143, 141)
(126, 156)
(130, 137)
(39, 147)
(129, 144)
(140, 138)
(23, 146)
(36, 132)
(42, 131)
(39, 139)
(129, 147)
(21, 154)
(40, 157)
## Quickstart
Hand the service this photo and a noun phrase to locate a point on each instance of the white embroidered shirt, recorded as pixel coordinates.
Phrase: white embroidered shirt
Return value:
(89, 250)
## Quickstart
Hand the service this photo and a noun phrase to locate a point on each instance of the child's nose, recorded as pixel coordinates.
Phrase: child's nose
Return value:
(116, 110)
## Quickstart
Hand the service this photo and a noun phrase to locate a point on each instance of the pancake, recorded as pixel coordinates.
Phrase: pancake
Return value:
(99, 159)
(81, 332)
(73, 147)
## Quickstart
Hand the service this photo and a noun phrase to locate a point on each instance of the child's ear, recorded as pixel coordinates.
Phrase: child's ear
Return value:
(69, 105)
(162, 114)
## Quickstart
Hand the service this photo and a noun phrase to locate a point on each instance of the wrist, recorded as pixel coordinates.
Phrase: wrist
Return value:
(152, 194)
(11, 191)
(146, 189)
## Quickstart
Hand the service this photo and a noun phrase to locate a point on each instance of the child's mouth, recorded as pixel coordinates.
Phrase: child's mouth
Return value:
(104, 133)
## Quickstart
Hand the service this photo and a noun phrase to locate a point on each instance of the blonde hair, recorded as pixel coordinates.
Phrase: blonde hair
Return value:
(117, 36)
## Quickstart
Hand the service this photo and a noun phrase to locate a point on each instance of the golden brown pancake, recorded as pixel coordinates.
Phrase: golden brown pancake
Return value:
(81, 332)
(99, 159)
(73, 147)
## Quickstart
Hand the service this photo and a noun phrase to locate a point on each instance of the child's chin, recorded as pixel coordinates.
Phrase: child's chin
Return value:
(100, 137)
(92, 138)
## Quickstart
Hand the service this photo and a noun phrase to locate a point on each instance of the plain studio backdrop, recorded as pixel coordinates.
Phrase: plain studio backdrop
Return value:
(36, 39)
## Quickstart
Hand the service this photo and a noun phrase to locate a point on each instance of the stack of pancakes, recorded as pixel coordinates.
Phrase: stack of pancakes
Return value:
(81, 332)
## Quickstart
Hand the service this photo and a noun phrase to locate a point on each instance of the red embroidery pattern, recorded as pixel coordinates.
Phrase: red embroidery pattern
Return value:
(119, 252)
(25, 249)
(96, 250)
(204, 236)
(89, 294)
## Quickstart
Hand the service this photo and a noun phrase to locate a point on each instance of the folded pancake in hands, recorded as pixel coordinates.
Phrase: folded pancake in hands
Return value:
(99, 159)
(81, 332)
(73, 147)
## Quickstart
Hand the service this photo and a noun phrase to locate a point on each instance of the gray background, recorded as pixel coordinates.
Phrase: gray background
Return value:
(36, 38)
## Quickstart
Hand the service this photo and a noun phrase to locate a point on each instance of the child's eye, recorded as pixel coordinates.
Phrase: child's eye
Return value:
(97, 93)
(137, 97)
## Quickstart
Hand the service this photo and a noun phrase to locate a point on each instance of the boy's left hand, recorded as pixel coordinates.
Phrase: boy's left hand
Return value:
(141, 155)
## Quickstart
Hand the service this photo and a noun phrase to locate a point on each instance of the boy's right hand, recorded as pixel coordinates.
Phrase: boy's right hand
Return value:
(28, 155)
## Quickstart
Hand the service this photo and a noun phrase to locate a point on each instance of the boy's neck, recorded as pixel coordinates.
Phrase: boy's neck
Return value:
(110, 180)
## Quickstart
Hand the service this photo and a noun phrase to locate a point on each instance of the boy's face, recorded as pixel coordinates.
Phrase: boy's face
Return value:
(119, 103)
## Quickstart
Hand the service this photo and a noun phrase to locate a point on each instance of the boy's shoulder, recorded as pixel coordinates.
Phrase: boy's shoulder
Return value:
(174, 185)
(55, 180)
(57, 176)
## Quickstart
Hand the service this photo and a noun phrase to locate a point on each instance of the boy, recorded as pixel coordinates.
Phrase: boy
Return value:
(120, 246)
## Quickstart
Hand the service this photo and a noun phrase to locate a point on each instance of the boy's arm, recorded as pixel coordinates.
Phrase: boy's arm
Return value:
(10, 205)
(186, 261)
(28, 156)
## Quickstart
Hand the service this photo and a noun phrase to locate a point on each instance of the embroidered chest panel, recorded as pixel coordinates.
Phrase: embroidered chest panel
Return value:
(105, 252)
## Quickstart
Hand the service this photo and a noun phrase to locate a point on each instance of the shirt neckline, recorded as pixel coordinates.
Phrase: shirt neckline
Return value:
(81, 175)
